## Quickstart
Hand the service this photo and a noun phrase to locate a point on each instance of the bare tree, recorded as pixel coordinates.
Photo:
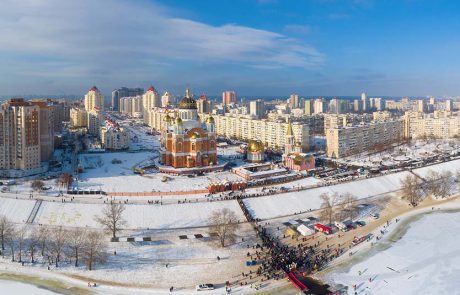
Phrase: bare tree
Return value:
(349, 204)
(59, 237)
(445, 184)
(432, 182)
(21, 240)
(77, 239)
(94, 250)
(411, 189)
(10, 240)
(6, 227)
(37, 185)
(112, 218)
(43, 237)
(33, 243)
(225, 223)
(64, 180)
(327, 206)
(457, 176)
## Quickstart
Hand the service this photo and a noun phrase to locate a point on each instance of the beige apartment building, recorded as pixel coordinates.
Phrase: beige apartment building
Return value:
(19, 138)
(114, 138)
(440, 124)
(346, 141)
(131, 106)
(95, 121)
(78, 118)
(94, 100)
(271, 133)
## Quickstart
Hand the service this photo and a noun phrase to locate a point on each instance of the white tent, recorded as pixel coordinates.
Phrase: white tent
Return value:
(305, 230)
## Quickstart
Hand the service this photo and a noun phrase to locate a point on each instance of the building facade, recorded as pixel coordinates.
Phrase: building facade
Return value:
(346, 141)
(440, 124)
(271, 133)
(94, 100)
(78, 118)
(186, 142)
(114, 137)
(228, 97)
(19, 138)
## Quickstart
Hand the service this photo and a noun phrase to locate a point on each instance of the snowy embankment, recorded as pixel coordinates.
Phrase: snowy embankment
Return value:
(137, 216)
(16, 210)
(451, 166)
(424, 261)
(294, 202)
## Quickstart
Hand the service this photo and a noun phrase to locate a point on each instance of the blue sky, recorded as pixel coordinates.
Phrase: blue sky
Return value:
(265, 47)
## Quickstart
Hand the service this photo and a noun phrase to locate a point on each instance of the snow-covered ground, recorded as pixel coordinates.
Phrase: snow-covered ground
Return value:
(451, 166)
(294, 202)
(137, 216)
(12, 287)
(16, 210)
(424, 261)
(111, 177)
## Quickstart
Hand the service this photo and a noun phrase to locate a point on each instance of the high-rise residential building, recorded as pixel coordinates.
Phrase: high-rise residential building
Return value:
(357, 105)
(349, 140)
(365, 102)
(204, 105)
(294, 101)
(47, 117)
(257, 108)
(228, 97)
(308, 107)
(95, 121)
(271, 133)
(78, 118)
(19, 138)
(131, 106)
(432, 100)
(449, 105)
(94, 100)
(422, 106)
(379, 104)
(440, 124)
(117, 94)
(319, 106)
(167, 99)
(150, 99)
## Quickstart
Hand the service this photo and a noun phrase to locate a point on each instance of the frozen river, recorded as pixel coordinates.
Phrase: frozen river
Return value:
(17, 288)
(426, 260)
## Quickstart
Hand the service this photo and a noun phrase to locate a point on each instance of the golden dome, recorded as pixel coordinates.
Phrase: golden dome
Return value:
(178, 121)
(255, 146)
(195, 135)
(187, 103)
(210, 120)
(167, 119)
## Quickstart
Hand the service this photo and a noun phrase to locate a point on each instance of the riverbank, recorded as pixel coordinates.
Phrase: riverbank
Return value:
(341, 272)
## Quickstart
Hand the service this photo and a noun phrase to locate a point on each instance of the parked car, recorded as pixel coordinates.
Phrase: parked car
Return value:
(375, 215)
(204, 287)
(360, 223)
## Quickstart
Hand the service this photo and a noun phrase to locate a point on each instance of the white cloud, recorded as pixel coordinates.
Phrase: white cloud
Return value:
(105, 37)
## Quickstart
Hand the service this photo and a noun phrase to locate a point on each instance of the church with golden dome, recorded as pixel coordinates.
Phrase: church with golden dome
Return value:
(186, 142)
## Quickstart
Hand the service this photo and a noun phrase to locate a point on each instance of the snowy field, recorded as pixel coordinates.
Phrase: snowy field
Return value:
(425, 261)
(121, 178)
(451, 166)
(294, 202)
(137, 216)
(16, 210)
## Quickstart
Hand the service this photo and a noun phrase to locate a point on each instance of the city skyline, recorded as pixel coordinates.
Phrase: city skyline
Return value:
(257, 48)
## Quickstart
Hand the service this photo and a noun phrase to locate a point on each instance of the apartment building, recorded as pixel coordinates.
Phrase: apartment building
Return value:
(440, 124)
(349, 140)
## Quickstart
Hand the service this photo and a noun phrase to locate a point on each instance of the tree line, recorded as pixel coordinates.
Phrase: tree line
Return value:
(54, 245)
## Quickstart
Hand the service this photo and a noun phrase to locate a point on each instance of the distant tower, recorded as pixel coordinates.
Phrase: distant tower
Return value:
(94, 100)
(290, 140)
(365, 102)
